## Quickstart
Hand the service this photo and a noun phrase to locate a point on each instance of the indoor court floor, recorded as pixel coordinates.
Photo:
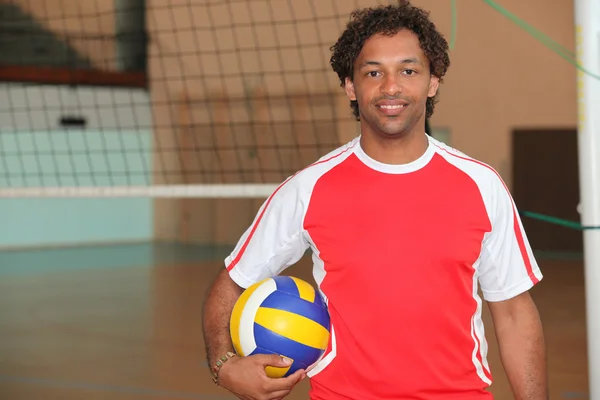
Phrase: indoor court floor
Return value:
(124, 323)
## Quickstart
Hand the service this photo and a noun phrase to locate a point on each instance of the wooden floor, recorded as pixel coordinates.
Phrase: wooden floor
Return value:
(123, 323)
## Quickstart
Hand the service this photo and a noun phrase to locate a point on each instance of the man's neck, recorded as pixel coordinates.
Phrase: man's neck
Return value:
(401, 150)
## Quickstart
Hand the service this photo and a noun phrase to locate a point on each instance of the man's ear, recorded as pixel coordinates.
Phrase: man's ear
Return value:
(434, 84)
(349, 87)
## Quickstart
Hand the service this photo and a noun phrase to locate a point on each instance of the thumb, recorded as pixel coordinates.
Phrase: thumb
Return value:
(274, 360)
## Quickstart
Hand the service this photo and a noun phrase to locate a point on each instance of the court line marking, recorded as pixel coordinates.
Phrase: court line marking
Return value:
(58, 383)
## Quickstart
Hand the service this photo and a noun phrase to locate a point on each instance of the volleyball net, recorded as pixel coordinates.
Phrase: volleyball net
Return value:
(167, 99)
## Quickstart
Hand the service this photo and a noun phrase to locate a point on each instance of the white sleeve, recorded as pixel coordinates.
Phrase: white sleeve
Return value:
(274, 241)
(507, 264)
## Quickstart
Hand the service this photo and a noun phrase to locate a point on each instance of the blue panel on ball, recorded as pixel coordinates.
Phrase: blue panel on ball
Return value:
(286, 284)
(319, 300)
(296, 365)
(278, 344)
(296, 305)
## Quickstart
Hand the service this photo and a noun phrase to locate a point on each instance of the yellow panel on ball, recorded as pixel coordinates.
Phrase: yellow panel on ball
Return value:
(293, 326)
(236, 315)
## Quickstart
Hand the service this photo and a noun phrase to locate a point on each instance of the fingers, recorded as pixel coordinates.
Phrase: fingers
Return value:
(296, 377)
(279, 395)
(310, 367)
(287, 383)
(273, 360)
(279, 388)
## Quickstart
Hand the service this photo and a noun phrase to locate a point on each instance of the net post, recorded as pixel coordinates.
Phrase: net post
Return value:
(587, 34)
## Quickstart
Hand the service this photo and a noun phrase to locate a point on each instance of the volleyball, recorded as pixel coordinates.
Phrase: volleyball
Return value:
(281, 315)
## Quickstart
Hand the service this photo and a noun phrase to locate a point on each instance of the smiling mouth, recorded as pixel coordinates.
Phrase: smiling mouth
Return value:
(392, 107)
(391, 110)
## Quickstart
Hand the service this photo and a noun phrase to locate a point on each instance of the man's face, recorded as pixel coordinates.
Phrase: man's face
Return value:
(391, 84)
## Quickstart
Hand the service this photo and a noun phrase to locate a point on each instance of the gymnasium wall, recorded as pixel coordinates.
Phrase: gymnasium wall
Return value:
(34, 142)
(501, 78)
(78, 20)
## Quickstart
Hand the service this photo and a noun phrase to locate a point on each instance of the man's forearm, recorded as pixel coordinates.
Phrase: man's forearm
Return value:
(522, 349)
(217, 311)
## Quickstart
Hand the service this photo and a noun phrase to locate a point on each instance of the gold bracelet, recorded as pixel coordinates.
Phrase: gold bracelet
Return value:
(219, 364)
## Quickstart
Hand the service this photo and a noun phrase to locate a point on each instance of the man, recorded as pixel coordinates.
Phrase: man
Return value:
(404, 230)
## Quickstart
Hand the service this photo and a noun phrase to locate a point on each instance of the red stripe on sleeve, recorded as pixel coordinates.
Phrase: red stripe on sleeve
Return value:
(243, 249)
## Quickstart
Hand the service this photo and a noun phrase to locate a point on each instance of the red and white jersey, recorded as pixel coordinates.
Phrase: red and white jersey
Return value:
(400, 253)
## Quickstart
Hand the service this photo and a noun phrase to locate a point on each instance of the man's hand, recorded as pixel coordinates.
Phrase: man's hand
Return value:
(246, 377)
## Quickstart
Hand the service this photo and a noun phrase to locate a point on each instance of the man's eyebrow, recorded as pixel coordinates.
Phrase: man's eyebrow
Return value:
(403, 61)
(369, 62)
(410, 61)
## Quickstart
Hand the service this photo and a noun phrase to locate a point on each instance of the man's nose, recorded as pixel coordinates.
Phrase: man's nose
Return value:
(391, 85)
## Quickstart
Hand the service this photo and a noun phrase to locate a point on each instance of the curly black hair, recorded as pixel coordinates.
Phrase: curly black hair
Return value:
(389, 20)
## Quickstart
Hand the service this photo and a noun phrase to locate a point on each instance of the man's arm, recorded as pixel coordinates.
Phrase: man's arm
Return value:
(217, 311)
(507, 271)
(522, 349)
